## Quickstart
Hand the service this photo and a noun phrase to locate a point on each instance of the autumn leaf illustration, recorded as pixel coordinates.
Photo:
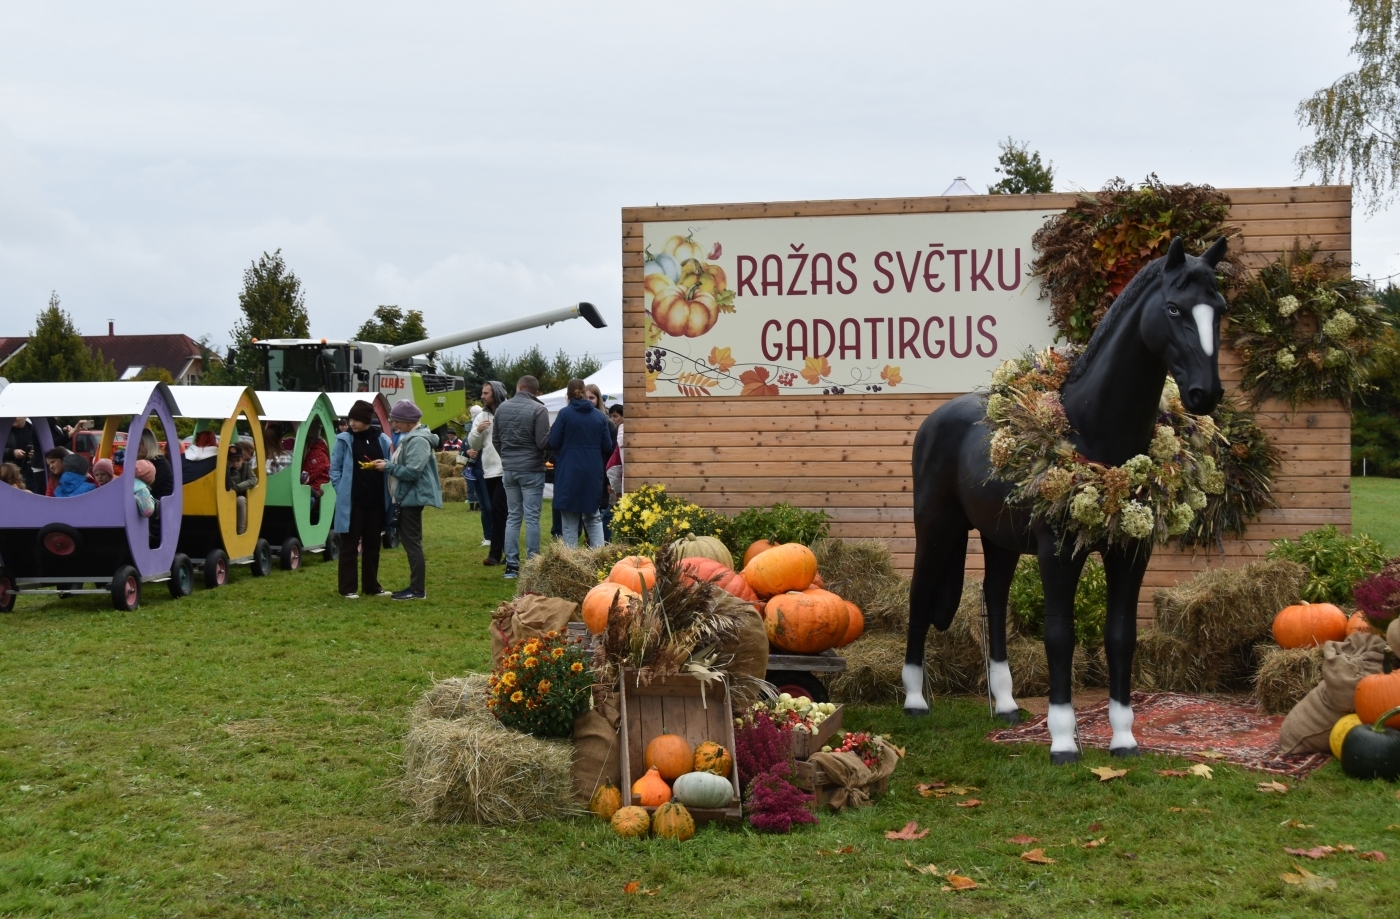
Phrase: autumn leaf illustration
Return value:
(653, 333)
(891, 376)
(814, 369)
(722, 359)
(756, 383)
(651, 380)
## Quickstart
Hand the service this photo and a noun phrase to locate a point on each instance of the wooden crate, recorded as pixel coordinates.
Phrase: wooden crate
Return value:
(804, 744)
(674, 706)
(814, 780)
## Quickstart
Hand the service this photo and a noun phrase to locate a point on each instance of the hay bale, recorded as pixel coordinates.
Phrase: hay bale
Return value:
(858, 571)
(559, 571)
(454, 489)
(1285, 676)
(1164, 662)
(470, 769)
(872, 674)
(888, 608)
(1225, 608)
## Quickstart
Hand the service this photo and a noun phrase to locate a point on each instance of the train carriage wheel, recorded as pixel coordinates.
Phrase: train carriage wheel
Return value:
(332, 550)
(215, 568)
(7, 599)
(262, 559)
(289, 556)
(126, 589)
(181, 581)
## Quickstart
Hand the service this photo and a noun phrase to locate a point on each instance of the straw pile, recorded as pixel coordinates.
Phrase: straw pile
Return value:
(461, 766)
(863, 572)
(1284, 676)
(1207, 627)
(953, 660)
(559, 571)
(454, 489)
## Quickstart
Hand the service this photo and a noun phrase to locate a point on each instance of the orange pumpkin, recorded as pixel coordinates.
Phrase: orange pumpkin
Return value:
(791, 566)
(1376, 695)
(631, 821)
(1309, 624)
(651, 789)
(818, 583)
(1359, 622)
(856, 626)
(727, 579)
(670, 755)
(713, 758)
(634, 572)
(806, 622)
(599, 601)
(755, 547)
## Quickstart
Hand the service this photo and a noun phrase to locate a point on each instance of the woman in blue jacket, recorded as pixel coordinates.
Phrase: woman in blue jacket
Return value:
(582, 442)
(361, 499)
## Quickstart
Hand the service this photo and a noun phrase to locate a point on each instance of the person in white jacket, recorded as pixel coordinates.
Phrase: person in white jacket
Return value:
(492, 490)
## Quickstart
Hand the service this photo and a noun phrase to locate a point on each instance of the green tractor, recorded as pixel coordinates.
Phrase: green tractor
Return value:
(397, 371)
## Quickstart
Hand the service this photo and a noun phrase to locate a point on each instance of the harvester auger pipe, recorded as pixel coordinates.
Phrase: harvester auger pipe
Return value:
(586, 310)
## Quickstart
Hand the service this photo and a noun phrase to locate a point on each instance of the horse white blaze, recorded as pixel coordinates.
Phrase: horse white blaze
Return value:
(1061, 723)
(1000, 681)
(1204, 314)
(913, 677)
(1120, 718)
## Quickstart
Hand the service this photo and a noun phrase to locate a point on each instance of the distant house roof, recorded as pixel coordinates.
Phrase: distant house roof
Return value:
(178, 354)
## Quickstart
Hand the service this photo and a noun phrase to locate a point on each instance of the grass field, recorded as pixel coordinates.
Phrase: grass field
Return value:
(235, 753)
(1375, 509)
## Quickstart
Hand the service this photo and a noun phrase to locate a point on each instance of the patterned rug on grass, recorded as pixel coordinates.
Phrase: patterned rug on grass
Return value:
(1196, 727)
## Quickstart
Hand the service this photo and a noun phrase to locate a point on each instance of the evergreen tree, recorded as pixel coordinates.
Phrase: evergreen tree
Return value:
(392, 326)
(478, 371)
(1375, 415)
(273, 307)
(1025, 174)
(56, 352)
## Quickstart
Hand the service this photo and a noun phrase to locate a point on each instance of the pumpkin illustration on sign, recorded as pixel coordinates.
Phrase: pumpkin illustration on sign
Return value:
(687, 294)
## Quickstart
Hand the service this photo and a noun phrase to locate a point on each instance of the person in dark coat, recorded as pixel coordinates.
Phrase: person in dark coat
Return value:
(361, 501)
(582, 441)
(22, 447)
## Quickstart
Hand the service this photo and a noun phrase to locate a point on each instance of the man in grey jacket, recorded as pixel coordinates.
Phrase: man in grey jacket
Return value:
(520, 434)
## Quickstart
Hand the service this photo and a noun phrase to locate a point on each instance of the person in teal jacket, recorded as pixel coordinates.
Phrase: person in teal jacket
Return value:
(413, 484)
(361, 500)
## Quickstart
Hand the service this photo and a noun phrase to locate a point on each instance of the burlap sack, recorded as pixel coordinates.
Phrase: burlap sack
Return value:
(528, 616)
(750, 659)
(1392, 637)
(596, 748)
(1309, 725)
(856, 781)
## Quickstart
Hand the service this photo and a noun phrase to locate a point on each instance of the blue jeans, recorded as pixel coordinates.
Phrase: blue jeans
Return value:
(524, 498)
(593, 525)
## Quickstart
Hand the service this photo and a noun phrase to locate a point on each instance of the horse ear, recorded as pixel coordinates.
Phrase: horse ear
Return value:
(1176, 254)
(1216, 252)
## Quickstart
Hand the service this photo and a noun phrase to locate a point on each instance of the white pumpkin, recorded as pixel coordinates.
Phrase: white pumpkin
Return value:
(692, 546)
(702, 789)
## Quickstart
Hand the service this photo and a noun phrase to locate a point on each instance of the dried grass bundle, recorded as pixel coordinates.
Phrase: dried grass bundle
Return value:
(857, 571)
(1164, 662)
(454, 488)
(1285, 676)
(470, 769)
(570, 574)
(872, 674)
(888, 609)
(1224, 608)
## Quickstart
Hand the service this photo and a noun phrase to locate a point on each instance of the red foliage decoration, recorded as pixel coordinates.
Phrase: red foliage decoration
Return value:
(759, 745)
(1379, 597)
(775, 804)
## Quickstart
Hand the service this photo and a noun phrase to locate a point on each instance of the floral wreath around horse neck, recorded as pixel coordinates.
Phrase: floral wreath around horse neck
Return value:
(1152, 495)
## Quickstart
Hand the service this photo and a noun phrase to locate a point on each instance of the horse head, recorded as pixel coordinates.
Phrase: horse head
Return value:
(1183, 326)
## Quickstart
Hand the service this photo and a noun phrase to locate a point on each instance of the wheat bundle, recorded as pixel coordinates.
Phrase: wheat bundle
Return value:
(470, 769)
(1285, 676)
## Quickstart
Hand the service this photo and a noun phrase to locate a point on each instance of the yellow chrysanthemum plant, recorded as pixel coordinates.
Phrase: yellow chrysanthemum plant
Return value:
(1173, 489)
(540, 685)
(647, 517)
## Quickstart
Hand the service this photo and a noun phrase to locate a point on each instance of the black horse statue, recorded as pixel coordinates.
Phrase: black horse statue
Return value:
(1166, 319)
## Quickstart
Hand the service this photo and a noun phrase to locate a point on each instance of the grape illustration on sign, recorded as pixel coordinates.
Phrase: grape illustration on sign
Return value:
(867, 305)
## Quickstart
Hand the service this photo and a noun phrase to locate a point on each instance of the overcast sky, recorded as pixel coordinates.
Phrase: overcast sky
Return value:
(470, 160)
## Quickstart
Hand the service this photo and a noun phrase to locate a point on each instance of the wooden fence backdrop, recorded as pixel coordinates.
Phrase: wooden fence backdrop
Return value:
(851, 456)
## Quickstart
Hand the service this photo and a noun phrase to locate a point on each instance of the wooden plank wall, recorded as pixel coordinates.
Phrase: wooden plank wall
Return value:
(851, 456)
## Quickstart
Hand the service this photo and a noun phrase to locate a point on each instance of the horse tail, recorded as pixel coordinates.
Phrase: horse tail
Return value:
(941, 529)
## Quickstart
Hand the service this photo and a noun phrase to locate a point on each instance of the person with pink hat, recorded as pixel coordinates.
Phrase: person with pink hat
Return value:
(145, 477)
(103, 472)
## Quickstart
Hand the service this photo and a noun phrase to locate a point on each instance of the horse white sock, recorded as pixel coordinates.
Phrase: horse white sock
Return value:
(1061, 722)
(913, 677)
(1120, 718)
(1000, 681)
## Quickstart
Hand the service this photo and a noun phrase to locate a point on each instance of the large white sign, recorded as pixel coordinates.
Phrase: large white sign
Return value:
(871, 304)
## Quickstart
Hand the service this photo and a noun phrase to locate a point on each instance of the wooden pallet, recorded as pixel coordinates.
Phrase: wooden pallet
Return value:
(673, 705)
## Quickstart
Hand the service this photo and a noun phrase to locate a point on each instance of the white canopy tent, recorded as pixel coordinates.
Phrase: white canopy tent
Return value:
(609, 380)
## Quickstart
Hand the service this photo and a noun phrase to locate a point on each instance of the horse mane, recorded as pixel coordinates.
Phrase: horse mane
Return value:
(1124, 303)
